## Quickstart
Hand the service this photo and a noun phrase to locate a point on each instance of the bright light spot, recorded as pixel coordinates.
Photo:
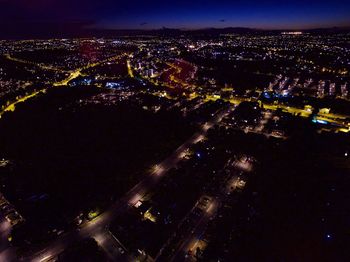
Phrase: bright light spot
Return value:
(100, 238)
(199, 138)
(138, 204)
(136, 198)
(158, 169)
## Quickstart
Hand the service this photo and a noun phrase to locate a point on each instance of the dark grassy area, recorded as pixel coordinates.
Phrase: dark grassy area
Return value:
(86, 250)
(70, 158)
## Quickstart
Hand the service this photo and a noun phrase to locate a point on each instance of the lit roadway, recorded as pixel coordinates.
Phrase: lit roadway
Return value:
(193, 238)
(6, 253)
(97, 227)
(40, 65)
(72, 75)
(191, 241)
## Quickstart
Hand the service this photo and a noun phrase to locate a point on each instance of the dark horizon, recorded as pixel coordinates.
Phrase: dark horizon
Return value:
(79, 30)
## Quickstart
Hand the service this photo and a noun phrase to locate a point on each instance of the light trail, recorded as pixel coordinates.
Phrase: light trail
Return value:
(130, 72)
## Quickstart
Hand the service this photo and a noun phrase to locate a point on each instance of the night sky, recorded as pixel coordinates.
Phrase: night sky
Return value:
(21, 15)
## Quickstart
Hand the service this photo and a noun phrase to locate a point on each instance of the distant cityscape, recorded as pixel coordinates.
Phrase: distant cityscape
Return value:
(176, 147)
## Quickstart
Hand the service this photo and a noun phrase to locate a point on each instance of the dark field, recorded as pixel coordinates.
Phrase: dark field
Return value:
(70, 158)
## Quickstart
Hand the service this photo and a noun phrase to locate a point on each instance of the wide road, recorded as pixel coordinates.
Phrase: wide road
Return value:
(97, 227)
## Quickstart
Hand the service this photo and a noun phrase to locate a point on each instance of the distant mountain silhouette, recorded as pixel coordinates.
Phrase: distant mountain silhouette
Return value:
(209, 31)
(84, 29)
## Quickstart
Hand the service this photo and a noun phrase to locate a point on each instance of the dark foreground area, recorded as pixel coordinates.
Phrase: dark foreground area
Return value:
(71, 159)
